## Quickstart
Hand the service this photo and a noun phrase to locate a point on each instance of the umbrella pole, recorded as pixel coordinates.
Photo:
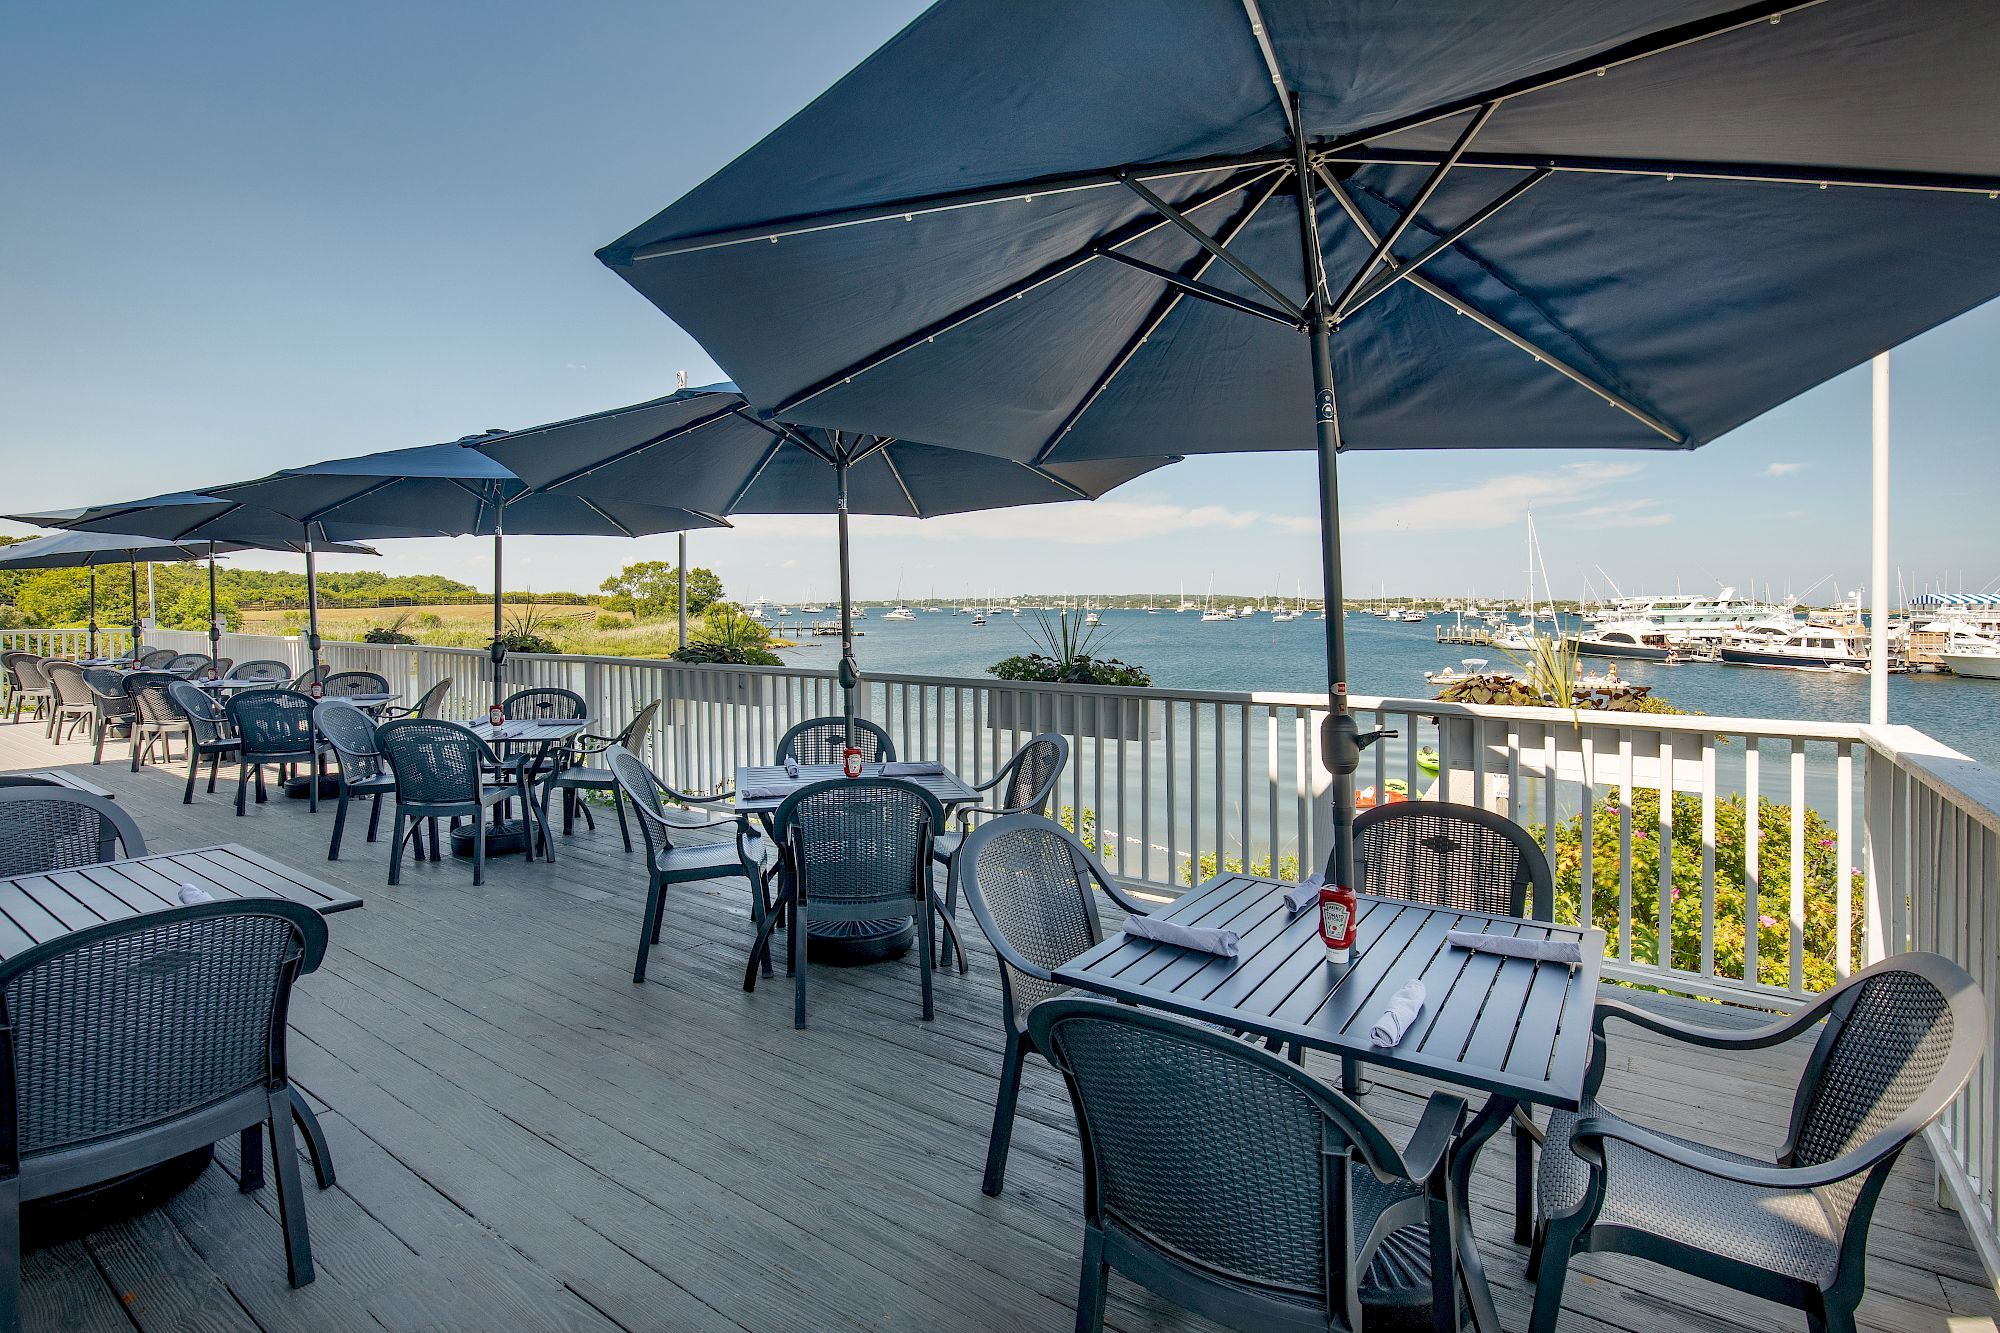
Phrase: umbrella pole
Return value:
(214, 629)
(138, 628)
(93, 612)
(312, 605)
(1340, 748)
(850, 674)
(681, 599)
(499, 649)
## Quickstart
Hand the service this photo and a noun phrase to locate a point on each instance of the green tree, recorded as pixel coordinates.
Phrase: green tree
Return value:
(650, 589)
(187, 608)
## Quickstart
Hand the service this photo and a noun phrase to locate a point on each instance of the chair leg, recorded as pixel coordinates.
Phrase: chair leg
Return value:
(242, 787)
(929, 909)
(194, 771)
(649, 929)
(10, 1254)
(291, 1190)
(1824, 1317)
(1090, 1290)
(317, 1151)
(1552, 1270)
(478, 852)
(396, 848)
(135, 747)
(214, 770)
(374, 816)
(250, 1178)
(1002, 1137)
(339, 824)
(796, 961)
(760, 948)
(261, 795)
(312, 792)
(624, 829)
(1524, 1185)
(98, 730)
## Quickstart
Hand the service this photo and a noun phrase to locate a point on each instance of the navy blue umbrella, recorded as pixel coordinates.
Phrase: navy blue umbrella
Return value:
(707, 449)
(1056, 231)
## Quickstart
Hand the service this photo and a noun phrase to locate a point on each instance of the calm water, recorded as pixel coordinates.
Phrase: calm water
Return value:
(1390, 659)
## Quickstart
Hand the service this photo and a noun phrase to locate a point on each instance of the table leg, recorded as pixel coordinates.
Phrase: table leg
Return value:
(1498, 1112)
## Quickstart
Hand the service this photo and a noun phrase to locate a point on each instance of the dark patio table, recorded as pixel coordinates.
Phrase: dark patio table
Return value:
(846, 941)
(64, 778)
(505, 836)
(1515, 1029)
(37, 908)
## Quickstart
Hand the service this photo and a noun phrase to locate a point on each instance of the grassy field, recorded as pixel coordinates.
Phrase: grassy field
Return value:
(581, 628)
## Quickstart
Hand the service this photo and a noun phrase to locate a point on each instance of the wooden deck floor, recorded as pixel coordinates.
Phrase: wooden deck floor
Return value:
(527, 1140)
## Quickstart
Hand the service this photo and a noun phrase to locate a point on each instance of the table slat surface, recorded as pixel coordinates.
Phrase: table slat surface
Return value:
(38, 908)
(529, 731)
(947, 786)
(64, 778)
(1507, 1025)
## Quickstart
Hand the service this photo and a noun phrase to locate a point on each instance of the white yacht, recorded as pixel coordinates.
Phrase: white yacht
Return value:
(1972, 652)
(1684, 617)
(900, 613)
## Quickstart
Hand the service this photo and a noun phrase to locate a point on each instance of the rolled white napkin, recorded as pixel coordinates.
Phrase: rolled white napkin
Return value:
(791, 767)
(913, 768)
(1302, 897)
(1403, 1008)
(1541, 950)
(190, 894)
(768, 793)
(1207, 939)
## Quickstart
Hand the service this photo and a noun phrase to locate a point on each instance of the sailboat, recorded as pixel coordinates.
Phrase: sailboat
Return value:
(1209, 614)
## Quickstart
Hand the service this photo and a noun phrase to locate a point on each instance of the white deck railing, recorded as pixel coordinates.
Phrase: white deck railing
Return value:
(72, 642)
(1841, 842)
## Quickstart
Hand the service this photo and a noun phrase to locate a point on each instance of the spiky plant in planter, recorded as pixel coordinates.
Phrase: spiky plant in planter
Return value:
(1064, 656)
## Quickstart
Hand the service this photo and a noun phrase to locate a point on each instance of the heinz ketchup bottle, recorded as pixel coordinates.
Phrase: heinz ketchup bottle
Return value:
(1337, 910)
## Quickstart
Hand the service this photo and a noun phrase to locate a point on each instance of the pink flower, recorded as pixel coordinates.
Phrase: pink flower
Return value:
(1826, 842)
(1677, 895)
(1767, 921)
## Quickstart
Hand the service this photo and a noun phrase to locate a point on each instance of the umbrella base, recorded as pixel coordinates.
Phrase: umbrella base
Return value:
(299, 788)
(64, 1217)
(852, 943)
(509, 837)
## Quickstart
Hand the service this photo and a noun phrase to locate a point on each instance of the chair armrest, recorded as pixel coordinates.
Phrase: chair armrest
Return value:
(964, 813)
(1436, 1130)
(1126, 902)
(1588, 1137)
(1721, 1039)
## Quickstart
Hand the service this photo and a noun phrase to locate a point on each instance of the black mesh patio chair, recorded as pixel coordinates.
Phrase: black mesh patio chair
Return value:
(441, 772)
(1025, 785)
(1458, 856)
(584, 766)
(261, 668)
(186, 664)
(1896, 1044)
(545, 703)
(221, 666)
(27, 686)
(90, 698)
(1033, 890)
(156, 718)
(31, 780)
(1226, 1180)
(429, 704)
(274, 727)
(346, 684)
(850, 850)
(670, 862)
(132, 1042)
(361, 768)
(44, 828)
(303, 682)
(209, 736)
(153, 659)
(823, 740)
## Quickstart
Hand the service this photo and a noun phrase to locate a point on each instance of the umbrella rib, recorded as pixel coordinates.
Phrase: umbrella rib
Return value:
(1051, 477)
(916, 510)
(1215, 247)
(1416, 206)
(1203, 291)
(1262, 32)
(319, 515)
(1748, 172)
(787, 433)
(1014, 291)
(1495, 327)
(1640, 48)
(1151, 326)
(1408, 267)
(629, 451)
(1027, 191)
(756, 472)
(604, 514)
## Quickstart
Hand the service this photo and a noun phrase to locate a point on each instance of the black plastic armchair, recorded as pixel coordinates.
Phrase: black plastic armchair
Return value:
(1025, 785)
(545, 703)
(669, 863)
(157, 719)
(1898, 1043)
(209, 736)
(220, 666)
(262, 668)
(154, 659)
(274, 727)
(303, 682)
(429, 704)
(361, 769)
(442, 772)
(44, 828)
(126, 1044)
(185, 664)
(1236, 1185)
(850, 850)
(1033, 890)
(27, 686)
(823, 740)
(347, 684)
(90, 698)
(584, 767)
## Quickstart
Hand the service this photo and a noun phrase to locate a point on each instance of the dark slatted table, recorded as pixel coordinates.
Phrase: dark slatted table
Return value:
(37, 908)
(846, 941)
(64, 778)
(544, 734)
(1514, 1029)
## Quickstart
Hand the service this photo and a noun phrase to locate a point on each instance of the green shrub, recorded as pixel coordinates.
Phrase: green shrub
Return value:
(1065, 657)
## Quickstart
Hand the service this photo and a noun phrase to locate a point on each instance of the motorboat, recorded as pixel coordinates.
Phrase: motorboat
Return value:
(1638, 639)
(900, 613)
(1971, 653)
(1808, 648)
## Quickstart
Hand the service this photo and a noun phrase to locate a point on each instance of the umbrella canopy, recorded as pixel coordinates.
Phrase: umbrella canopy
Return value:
(708, 449)
(1329, 224)
(73, 550)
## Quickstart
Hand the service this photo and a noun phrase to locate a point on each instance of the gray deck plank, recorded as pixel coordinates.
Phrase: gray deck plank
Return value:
(524, 1136)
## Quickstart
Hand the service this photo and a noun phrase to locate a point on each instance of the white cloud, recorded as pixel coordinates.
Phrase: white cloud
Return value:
(1497, 502)
(1783, 469)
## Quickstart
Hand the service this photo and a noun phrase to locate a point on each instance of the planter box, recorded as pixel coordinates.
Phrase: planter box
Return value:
(719, 684)
(1102, 716)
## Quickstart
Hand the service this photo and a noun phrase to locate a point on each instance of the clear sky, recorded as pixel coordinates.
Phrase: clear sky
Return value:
(241, 236)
